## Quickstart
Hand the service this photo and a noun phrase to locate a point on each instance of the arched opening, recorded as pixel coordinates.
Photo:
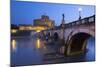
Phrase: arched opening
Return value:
(77, 44)
(56, 36)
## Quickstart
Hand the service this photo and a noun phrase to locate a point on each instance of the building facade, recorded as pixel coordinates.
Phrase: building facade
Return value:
(44, 21)
(39, 25)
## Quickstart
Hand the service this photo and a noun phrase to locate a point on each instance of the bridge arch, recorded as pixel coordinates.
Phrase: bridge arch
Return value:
(56, 36)
(90, 32)
(77, 42)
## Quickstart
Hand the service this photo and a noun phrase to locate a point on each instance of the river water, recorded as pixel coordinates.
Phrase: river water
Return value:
(33, 51)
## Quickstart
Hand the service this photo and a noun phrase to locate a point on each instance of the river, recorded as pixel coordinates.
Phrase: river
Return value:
(32, 51)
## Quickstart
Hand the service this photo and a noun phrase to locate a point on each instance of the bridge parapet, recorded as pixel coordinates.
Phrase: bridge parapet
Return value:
(84, 21)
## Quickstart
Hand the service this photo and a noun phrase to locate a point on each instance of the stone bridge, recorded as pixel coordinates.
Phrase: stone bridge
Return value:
(75, 34)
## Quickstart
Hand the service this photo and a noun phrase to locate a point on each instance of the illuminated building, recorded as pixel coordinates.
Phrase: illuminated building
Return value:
(30, 27)
(25, 27)
(38, 25)
(14, 28)
(44, 21)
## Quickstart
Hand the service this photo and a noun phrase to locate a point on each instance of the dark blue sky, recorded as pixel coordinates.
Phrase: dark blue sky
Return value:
(26, 12)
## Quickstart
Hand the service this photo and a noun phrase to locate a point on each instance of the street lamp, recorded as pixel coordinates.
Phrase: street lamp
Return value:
(79, 9)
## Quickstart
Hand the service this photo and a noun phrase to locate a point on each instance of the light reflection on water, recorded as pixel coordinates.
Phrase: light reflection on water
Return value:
(38, 43)
(14, 45)
(27, 51)
(30, 51)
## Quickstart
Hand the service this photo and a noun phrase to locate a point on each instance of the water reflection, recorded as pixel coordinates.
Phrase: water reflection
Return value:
(90, 55)
(38, 43)
(13, 45)
(37, 51)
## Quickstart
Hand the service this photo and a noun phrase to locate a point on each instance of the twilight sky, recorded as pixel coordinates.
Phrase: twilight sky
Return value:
(26, 12)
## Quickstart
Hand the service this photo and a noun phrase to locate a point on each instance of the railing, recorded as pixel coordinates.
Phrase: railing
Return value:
(86, 20)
